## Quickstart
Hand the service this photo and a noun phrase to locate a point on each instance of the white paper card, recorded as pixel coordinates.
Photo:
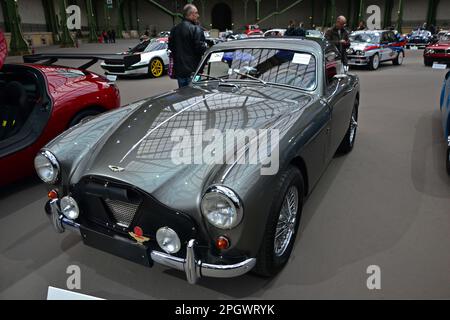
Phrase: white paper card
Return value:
(301, 58)
(439, 66)
(216, 57)
(60, 294)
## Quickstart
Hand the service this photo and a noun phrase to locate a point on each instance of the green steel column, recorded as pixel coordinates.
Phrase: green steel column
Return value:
(138, 25)
(432, 11)
(349, 13)
(121, 20)
(6, 17)
(66, 38)
(387, 21)
(324, 15)
(246, 10)
(18, 45)
(361, 11)
(400, 16)
(107, 22)
(91, 21)
(258, 7)
(130, 14)
(332, 12)
(50, 19)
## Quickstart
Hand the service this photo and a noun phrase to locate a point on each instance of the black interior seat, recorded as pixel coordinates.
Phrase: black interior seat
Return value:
(12, 109)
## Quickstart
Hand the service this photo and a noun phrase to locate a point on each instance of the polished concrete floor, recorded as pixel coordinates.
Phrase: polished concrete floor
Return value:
(386, 204)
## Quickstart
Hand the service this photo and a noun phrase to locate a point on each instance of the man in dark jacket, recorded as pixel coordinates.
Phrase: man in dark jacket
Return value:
(188, 44)
(339, 36)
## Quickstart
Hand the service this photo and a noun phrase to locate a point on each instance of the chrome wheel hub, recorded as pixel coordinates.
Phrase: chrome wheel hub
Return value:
(286, 222)
(353, 127)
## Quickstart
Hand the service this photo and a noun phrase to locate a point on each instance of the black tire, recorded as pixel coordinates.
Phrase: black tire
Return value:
(372, 65)
(83, 115)
(427, 62)
(348, 142)
(397, 61)
(268, 263)
(447, 160)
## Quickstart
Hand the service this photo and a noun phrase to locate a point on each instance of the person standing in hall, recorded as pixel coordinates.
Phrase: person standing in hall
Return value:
(339, 36)
(187, 44)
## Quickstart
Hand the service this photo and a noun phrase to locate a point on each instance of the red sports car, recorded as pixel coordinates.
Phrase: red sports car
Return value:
(40, 101)
(438, 52)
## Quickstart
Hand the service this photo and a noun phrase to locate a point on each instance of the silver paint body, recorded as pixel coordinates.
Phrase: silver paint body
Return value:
(312, 126)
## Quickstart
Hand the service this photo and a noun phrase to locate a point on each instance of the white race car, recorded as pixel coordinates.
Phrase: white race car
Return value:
(154, 60)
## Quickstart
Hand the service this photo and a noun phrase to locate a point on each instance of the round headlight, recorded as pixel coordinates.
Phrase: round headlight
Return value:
(168, 240)
(69, 208)
(47, 167)
(222, 208)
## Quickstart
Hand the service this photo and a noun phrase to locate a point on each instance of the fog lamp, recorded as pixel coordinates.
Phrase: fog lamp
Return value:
(168, 240)
(69, 208)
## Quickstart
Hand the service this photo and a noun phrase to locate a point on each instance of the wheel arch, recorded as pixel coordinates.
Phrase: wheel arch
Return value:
(93, 107)
(300, 164)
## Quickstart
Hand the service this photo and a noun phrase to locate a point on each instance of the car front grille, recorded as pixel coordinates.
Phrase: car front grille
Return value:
(122, 212)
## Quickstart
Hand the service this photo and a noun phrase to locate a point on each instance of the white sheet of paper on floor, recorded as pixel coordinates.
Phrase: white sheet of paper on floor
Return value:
(64, 295)
(439, 66)
(301, 58)
(216, 57)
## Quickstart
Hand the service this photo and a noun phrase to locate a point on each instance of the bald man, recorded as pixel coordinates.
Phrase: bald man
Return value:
(339, 36)
(187, 44)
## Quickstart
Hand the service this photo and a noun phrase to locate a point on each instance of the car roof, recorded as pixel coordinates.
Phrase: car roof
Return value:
(286, 43)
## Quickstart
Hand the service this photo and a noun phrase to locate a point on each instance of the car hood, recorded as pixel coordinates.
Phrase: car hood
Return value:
(139, 150)
(360, 45)
(443, 46)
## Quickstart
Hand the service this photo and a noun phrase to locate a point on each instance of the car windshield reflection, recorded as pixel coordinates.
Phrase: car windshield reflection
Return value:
(271, 66)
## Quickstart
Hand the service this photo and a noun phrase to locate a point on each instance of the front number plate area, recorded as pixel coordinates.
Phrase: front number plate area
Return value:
(120, 247)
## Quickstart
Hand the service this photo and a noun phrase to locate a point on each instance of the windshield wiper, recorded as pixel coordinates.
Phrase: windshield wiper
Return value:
(250, 76)
(211, 77)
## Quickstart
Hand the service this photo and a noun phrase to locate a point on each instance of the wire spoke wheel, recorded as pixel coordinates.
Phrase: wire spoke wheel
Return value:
(286, 222)
(353, 127)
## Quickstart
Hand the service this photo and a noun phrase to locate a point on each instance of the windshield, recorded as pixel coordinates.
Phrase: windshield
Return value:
(445, 39)
(273, 66)
(149, 46)
(365, 37)
(421, 33)
(156, 46)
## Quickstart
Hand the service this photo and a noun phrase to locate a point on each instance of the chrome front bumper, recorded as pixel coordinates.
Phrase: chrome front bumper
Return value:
(193, 268)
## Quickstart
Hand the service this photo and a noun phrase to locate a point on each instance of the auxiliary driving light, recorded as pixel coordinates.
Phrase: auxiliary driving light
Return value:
(168, 240)
(69, 208)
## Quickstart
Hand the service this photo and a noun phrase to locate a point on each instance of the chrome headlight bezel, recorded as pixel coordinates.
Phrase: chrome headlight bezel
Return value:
(52, 162)
(231, 198)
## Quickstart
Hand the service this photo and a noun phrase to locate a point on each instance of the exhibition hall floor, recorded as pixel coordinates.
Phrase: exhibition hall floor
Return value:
(385, 204)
